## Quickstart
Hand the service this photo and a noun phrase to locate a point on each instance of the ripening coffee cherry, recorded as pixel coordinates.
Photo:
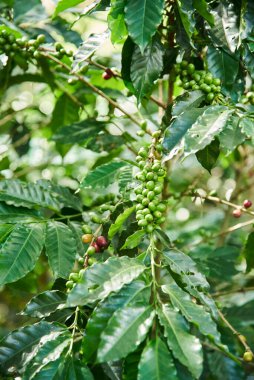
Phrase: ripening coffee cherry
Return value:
(91, 251)
(102, 242)
(87, 238)
(86, 229)
(247, 356)
(247, 203)
(106, 76)
(237, 213)
(96, 247)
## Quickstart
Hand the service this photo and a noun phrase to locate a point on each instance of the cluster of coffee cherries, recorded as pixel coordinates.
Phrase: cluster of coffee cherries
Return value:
(192, 79)
(61, 51)
(97, 244)
(248, 98)
(150, 207)
(238, 211)
(11, 46)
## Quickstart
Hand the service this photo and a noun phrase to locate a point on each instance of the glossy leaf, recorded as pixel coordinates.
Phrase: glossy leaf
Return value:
(103, 278)
(117, 225)
(146, 68)
(186, 12)
(142, 18)
(231, 136)
(156, 362)
(60, 248)
(87, 49)
(206, 127)
(134, 240)
(102, 176)
(65, 4)
(72, 369)
(134, 293)
(209, 155)
(188, 101)
(5, 230)
(193, 312)
(44, 304)
(185, 347)
(20, 252)
(179, 127)
(124, 332)
(22, 341)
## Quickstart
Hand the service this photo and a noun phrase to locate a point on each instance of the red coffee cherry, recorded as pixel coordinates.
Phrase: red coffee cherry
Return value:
(247, 203)
(106, 75)
(102, 242)
(237, 213)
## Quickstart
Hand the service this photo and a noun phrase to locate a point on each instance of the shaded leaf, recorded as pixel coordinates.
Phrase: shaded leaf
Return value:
(77, 133)
(134, 240)
(117, 225)
(209, 155)
(66, 112)
(248, 252)
(44, 304)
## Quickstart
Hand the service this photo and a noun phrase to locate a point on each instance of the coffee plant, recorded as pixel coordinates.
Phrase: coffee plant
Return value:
(126, 189)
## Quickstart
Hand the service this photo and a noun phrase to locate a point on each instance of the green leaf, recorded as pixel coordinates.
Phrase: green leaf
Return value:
(66, 112)
(146, 68)
(186, 12)
(222, 65)
(125, 179)
(134, 240)
(60, 248)
(209, 155)
(193, 312)
(248, 252)
(116, 21)
(179, 127)
(156, 362)
(50, 371)
(231, 136)
(73, 369)
(44, 304)
(103, 278)
(247, 126)
(223, 368)
(87, 49)
(20, 252)
(117, 225)
(5, 230)
(125, 331)
(77, 133)
(11, 214)
(201, 7)
(46, 353)
(77, 232)
(29, 195)
(65, 4)
(206, 127)
(142, 18)
(134, 293)
(189, 100)
(22, 341)
(185, 347)
(102, 176)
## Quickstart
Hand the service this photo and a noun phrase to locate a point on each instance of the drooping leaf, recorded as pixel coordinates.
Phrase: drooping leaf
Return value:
(248, 252)
(102, 176)
(186, 12)
(66, 112)
(124, 332)
(193, 312)
(60, 248)
(87, 49)
(117, 225)
(179, 127)
(22, 341)
(134, 240)
(209, 155)
(206, 127)
(156, 362)
(103, 278)
(142, 18)
(201, 7)
(134, 293)
(146, 68)
(116, 21)
(185, 347)
(20, 252)
(44, 304)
